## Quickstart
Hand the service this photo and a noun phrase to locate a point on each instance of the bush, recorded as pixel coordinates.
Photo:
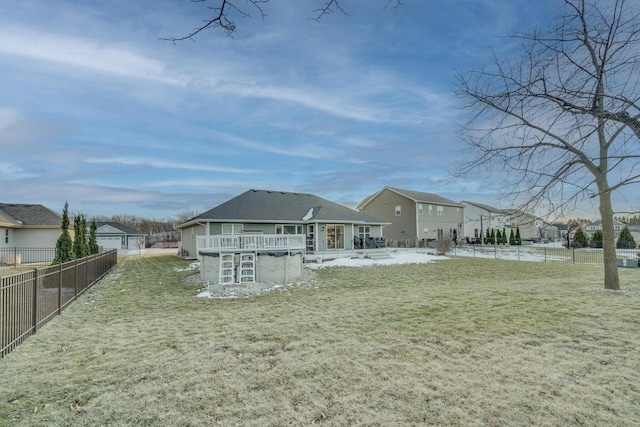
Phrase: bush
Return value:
(580, 237)
(596, 239)
(625, 240)
(443, 246)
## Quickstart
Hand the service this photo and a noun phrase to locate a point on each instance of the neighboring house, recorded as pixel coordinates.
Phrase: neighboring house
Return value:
(28, 233)
(324, 225)
(562, 230)
(29, 226)
(531, 227)
(113, 235)
(597, 225)
(414, 214)
(478, 218)
(549, 232)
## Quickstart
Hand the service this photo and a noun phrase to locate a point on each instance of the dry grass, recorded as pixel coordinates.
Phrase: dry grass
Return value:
(460, 342)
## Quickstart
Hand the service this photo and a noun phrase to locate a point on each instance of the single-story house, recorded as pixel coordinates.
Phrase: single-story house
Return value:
(326, 225)
(257, 223)
(28, 226)
(415, 214)
(113, 235)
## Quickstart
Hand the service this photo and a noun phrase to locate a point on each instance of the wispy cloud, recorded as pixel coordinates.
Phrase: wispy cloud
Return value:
(84, 54)
(165, 164)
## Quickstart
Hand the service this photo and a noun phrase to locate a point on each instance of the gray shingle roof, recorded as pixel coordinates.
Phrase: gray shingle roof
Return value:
(117, 225)
(416, 196)
(280, 206)
(485, 207)
(27, 215)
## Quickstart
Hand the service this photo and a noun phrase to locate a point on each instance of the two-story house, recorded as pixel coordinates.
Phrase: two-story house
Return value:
(415, 214)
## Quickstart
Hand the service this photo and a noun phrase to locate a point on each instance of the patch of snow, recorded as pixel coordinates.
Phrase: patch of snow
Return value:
(627, 292)
(193, 266)
(308, 216)
(394, 258)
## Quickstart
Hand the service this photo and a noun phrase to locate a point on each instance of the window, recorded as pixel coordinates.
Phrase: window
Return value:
(440, 233)
(440, 210)
(335, 236)
(364, 231)
(231, 228)
(398, 210)
(430, 210)
(6, 236)
(475, 233)
(420, 206)
(288, 229)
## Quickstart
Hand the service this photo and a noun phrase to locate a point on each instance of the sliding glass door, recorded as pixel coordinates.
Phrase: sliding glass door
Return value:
(335, 236)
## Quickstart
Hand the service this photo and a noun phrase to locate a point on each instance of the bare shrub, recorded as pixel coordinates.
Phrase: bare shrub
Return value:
(443, 246)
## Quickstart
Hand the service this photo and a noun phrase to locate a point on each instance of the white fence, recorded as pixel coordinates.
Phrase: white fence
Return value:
(230, 242)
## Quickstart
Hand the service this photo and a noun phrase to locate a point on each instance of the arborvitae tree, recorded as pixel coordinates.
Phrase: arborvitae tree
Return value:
(504, 236)
(625, 239)
(93, 243)
(512, 238)
(79, 240)
(518, 238)
(487, 237)
(83, 223)
(64, 244)
(581, 237)
(498, 236)
(596, 239)
(493, 236)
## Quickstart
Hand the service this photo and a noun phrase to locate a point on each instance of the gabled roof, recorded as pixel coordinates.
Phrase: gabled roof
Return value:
(416, 196)
(28, 216)
(484, 207)
(265, 206)
(118, 226)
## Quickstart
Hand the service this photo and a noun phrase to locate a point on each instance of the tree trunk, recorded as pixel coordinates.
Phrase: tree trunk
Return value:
(611, 280)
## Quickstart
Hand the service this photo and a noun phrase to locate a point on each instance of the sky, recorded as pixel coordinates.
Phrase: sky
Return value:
(97, 110)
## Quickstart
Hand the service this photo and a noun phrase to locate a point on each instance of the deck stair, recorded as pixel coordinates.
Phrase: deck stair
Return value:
(227, 270)
(378, 255)
(247, 267)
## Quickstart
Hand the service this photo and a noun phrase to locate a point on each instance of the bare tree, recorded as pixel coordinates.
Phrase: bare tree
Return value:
(562, 120)
(225, 12)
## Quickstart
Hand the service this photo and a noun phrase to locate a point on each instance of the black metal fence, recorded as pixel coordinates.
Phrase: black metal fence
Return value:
(26, 257)
(626, 257)
(30, 299)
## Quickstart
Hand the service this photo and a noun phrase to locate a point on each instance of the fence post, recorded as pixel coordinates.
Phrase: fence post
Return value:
(75, 273)
(60, 289)
(518, 250)
(34, 328)
(573, 253)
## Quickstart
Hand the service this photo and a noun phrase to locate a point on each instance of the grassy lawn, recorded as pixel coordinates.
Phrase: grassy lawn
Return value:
(468, 341)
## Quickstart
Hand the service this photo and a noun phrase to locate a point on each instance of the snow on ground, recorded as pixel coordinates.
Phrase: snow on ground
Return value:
(394, 258)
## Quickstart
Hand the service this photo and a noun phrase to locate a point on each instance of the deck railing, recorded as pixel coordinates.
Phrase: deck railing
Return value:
(231, 242)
